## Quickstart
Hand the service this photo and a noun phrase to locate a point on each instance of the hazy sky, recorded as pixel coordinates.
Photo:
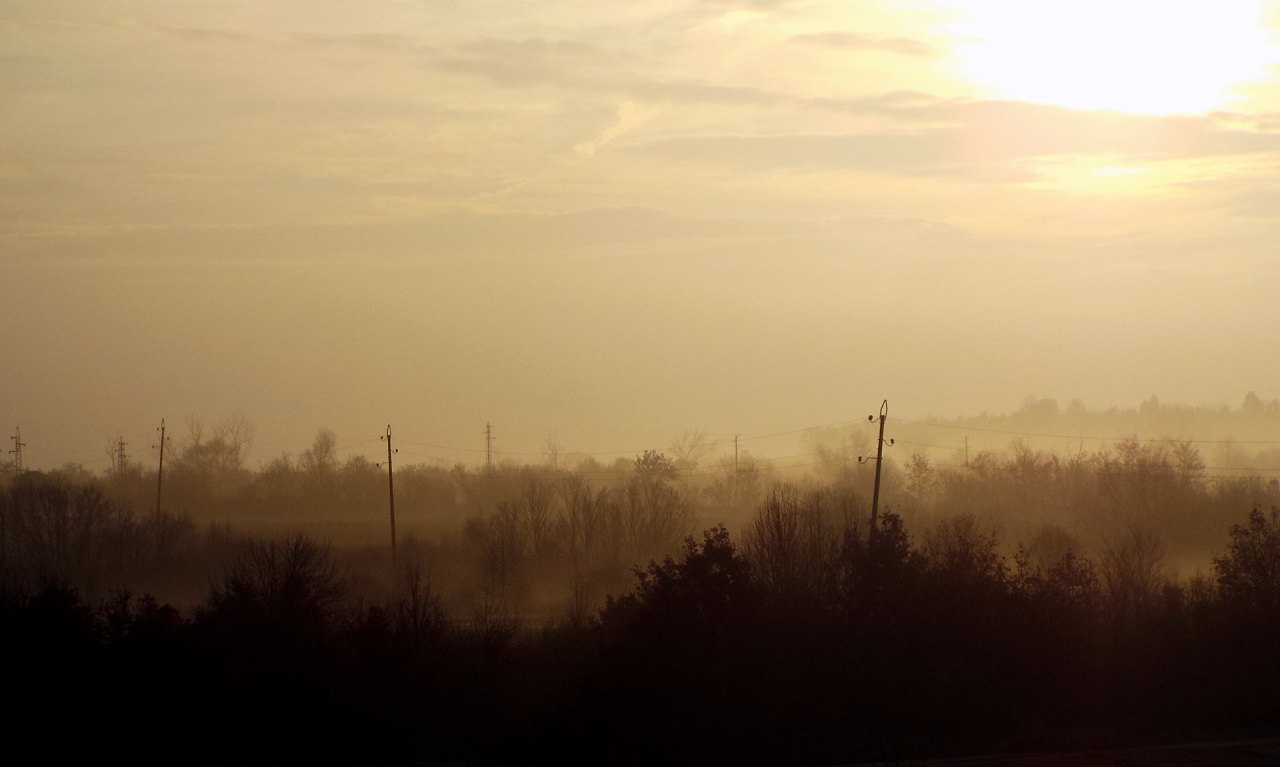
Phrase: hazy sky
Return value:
(612, 221)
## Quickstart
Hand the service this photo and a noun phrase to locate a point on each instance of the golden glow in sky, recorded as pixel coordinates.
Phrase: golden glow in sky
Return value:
(1141, 56)
(600, 215)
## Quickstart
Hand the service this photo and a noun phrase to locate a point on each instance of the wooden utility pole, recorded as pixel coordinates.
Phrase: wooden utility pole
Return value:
(160, 471)
(391, 492)
(875, 493)
(735, 469)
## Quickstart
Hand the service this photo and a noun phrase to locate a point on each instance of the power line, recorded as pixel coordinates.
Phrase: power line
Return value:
(487, 450)
(828, 458)
(1081, 436)
(357, 444)
(798, 431)
(1205, 473)
(635, 451)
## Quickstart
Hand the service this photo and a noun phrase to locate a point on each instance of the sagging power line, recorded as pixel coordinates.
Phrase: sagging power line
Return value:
(1084, 437)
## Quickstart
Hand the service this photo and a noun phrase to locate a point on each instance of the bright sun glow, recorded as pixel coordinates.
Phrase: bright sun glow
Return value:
(1144, 56)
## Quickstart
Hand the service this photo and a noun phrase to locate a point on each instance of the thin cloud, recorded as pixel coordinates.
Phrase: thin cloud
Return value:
(853, 41)
(630, 115)
(973, 139)
(376, 42)
(208, 35)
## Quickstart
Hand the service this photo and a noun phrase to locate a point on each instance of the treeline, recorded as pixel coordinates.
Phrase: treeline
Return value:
(1234, 441)
(73, 532)
(207, 478)
(1093, 497)
(813, 638)
(533, 541)
(527, 540)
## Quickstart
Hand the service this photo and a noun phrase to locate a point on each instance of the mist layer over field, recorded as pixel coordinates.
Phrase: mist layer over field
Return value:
(1015, 598)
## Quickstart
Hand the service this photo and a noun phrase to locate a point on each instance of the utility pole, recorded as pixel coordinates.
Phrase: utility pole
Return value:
(121, 460)
(18, 444)
(735, 468)
(16, 452)
(875, 493)
(391, 493)
(160, 471)
(488, 445)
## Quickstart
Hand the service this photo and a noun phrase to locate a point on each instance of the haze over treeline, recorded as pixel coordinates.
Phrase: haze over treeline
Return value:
(1026, 600)
(1241, 438)
(1079, 477)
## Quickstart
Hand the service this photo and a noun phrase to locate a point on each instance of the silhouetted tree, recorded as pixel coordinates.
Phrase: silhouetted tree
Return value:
(1249, 572)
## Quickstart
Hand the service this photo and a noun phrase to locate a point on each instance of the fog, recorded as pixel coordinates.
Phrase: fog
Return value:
(615, 287)
(1081, 477)
(518, 610)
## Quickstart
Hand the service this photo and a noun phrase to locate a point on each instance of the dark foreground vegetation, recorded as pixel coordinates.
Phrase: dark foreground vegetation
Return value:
(810, 639)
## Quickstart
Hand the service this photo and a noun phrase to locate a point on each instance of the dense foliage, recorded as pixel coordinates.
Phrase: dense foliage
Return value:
(816, 640)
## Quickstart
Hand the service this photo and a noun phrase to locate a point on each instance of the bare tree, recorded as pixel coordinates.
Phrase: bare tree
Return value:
(691, 448)
(236, 433)
(417, 612)
(1134, 572)
(551, 452)
(965, 551)
(502, 543)
(538, 522)
(322, 456)
(195, 430)
(294, 577)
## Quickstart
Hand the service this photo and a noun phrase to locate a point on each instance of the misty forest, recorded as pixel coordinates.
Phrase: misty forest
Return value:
(685, 604)
(640, 382)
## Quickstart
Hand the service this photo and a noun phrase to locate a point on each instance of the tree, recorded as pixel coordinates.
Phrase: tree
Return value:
(551, 451)
(792, 543)
(322, 456)
(292, 582)
(962, 550)
(1253, 403)
(1134, 572)
(1249, 572)
(691, 448)
(695, 596)
(656, 466)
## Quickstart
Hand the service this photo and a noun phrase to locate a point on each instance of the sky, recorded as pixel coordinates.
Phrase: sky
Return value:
(611, 222)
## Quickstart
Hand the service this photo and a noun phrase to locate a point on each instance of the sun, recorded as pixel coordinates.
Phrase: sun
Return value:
(1141, 56)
